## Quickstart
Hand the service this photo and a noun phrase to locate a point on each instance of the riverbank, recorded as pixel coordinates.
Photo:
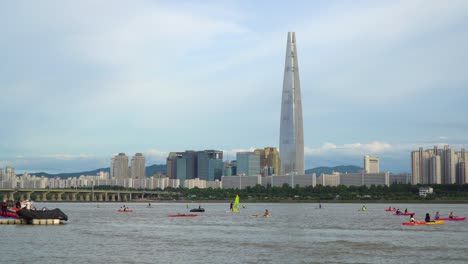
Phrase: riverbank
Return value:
(200, 201)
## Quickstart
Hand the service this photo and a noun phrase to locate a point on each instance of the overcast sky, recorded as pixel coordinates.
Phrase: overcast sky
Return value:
(83, 80)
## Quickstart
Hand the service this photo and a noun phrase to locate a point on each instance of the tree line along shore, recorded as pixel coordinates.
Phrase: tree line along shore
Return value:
(399, 193)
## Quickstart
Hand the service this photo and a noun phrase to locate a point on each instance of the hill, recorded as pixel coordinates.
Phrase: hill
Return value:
(150, 171)
(329, 170)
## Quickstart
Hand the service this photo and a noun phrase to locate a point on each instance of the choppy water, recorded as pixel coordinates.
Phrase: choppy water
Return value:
(296, 233)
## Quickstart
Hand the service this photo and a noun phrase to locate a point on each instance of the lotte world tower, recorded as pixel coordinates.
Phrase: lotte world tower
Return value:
(291, 128)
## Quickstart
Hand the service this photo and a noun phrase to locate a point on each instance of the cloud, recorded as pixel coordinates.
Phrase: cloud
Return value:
(351, 148)
(68, 156)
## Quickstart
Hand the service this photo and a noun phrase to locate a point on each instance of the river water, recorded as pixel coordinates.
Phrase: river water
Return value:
(295, 233)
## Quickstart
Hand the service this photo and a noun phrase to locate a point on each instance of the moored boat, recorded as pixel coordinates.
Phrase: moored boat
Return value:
(201, 210)
(9, 214)
(42, 214)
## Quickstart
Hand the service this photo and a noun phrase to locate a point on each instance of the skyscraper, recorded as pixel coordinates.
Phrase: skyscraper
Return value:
(119, 166)
(291, 128)
(138, 168)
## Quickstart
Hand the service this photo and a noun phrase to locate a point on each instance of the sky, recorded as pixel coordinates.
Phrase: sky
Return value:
(83, 80)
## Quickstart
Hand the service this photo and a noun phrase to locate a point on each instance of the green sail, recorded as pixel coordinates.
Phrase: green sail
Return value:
(235, 208)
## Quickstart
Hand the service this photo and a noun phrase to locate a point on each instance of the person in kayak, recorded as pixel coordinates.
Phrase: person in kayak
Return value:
(231, 206)
(398, 211)
(451, 215)
(411, 219)
(363, 208)
(406, 211)
(267, 213)
(428, 218)
(436, 216)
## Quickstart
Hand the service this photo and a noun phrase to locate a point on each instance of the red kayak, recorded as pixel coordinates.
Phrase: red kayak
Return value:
(9, 214)
(403, 214)
(182, 215)
(390, 210)
(125, 211)
(453, 219)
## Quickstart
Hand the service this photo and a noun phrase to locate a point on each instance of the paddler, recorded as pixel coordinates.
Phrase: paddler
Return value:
(428, 218)
(411, 219)
(436, 216)
(363, 208)
(267, 213)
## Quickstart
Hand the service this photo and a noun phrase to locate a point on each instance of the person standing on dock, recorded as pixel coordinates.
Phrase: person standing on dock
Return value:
(4, 207)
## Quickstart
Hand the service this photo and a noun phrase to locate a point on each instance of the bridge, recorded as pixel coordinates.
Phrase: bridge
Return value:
(77, 195)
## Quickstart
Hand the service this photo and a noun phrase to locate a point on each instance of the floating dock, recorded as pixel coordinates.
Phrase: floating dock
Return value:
(6, 221)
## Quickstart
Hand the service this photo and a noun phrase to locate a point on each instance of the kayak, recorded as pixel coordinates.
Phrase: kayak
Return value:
(453, 219)
(182, 215)
(403, 214)
(125, 211)
(260, 215)
(438, 222)
(390, 210)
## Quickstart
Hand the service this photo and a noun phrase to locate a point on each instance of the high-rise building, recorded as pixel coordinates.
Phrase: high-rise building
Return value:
(269, 161)
(138, 168)
(210, 165)
(171, 166)
(248, 163)
(10, 174)
(182, 165)
(119, 166)
(371, 164)
(291, 128)
(435, 170)
(436, 166)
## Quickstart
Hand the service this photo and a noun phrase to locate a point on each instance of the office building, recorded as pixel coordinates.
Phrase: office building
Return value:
(210, 165)
(269, 161)
(371, 164)
(248, 163)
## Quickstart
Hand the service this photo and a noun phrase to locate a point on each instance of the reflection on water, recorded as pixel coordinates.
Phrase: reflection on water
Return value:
(295, 233)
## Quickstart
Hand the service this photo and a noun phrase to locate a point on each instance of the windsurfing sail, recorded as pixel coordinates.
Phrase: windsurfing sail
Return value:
(235, 207)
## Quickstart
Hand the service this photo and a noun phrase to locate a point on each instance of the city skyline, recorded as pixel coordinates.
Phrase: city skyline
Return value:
(160, 77)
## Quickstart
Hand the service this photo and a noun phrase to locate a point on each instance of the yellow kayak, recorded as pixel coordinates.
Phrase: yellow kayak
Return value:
(438, 222)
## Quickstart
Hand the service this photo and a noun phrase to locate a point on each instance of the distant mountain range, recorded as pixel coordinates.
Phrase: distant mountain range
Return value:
(150, 171)
(329, 170)
(161, 168)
